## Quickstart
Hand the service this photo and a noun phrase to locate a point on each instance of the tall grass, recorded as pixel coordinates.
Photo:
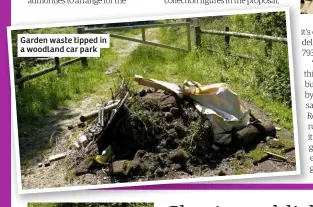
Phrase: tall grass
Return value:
(264, 82)
(48, 92)
(240, 75)
(257, 81)
(42, 95)
(90, 204)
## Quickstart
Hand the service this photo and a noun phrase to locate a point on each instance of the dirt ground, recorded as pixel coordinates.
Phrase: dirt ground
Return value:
(53, 137)
(159, 164)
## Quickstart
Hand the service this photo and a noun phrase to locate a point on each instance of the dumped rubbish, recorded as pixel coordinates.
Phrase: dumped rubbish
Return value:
(57, 157)
(164, 131)
(170, 87)
(255, 133)
(76, 125)
(277, 156)
(94, 114)
(277, 128)
(105, 156)
(221, 106)
(82, 140)
(51, 159)
(121, 168)
(46, 163)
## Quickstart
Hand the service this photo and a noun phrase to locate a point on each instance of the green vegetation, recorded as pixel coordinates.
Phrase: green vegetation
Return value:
(275, 146)
(49, 92)
(241, 165)
(90, 204)
(42, 95)
(264, 81)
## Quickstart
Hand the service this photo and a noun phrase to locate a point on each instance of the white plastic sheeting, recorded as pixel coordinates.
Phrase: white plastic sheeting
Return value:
(157, 84)
(217, 101)
(223, 108)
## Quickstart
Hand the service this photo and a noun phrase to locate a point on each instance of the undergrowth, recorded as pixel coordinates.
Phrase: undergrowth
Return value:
(264, 81)
(90, 205)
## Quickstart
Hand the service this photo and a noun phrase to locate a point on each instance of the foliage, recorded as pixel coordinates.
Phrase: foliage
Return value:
(42, 95)
(90, 205)
(265, 82)
(271, 23)
(277, 80)
(21, 64)
(51, 91)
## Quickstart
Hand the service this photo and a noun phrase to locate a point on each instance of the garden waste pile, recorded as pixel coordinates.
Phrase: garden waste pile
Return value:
(165, 131)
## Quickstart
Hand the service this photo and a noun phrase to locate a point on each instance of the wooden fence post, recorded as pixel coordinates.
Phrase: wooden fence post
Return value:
(84, 61)
(57, 65)
(197, 33)
(143, 34)
(188, 36)
(268, 45)
(18, 74)
(227, 41)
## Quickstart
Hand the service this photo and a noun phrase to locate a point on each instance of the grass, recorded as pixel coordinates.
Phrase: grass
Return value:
(257, 154)
(91, 204)
(204, 68)
(278, 147)
(43, 95)
(241, 165)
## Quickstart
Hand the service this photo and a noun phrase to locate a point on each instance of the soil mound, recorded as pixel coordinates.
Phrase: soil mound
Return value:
(153, 134)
